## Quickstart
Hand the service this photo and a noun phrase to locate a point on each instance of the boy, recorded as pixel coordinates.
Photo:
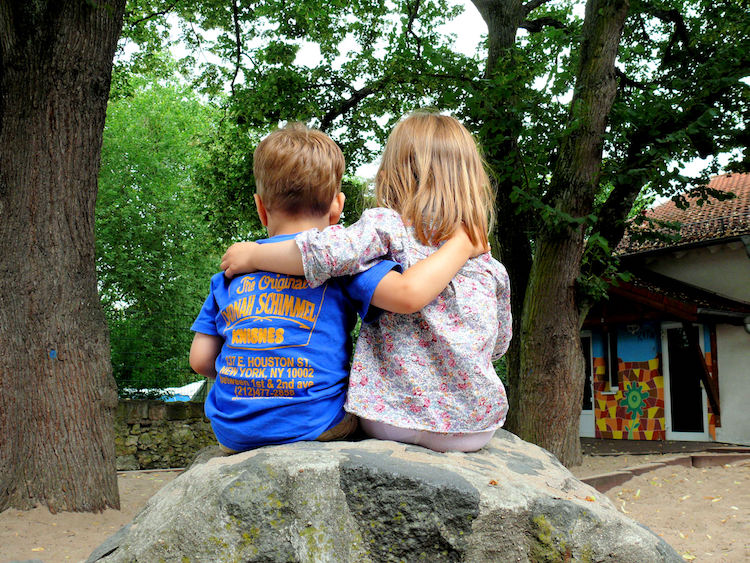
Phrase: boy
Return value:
(279, 349)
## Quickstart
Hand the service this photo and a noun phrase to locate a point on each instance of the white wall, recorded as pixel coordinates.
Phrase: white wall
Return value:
(733, 347)
(723, 269)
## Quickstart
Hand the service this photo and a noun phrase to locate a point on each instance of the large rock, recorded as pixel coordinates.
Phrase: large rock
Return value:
(382, 501)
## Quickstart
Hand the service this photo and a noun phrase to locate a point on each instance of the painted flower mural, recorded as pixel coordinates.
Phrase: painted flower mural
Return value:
(634, 401)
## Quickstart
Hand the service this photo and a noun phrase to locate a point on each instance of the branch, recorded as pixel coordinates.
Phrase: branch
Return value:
(358, 95)
(611, 221)
(163, 12)
(538, 24)
(533, 5)
(575, 175)
(680, 29)
(345, 105)
(624, 80)
(238, 42)
(413, 11)
(469, 79)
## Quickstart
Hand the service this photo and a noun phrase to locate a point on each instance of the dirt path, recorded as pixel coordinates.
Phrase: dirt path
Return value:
(72, 536)
(703, 513)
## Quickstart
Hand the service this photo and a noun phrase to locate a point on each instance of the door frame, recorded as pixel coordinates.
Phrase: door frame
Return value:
(669, 434)
(587, 421)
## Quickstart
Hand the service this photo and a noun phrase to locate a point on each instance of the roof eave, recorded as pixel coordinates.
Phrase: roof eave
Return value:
(743, 237)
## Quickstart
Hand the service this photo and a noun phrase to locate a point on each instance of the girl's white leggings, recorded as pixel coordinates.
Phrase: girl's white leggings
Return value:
(438, 441)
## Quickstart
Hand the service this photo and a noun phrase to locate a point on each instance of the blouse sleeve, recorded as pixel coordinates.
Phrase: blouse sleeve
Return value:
(338, 251)
(505, 321)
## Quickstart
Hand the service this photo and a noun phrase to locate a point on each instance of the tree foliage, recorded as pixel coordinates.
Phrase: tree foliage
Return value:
(155, 251)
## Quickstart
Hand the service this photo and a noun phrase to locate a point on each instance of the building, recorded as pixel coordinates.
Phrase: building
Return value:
(668, 354)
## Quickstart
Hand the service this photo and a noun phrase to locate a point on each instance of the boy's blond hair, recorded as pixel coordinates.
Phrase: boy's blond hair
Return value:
(298, 171)
(433, 176)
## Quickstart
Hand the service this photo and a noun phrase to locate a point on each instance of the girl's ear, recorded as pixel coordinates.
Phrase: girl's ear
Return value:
(262, 213)
(337, 208)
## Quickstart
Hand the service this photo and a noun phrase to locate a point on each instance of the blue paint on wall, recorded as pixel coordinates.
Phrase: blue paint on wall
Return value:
(597, 344)
(706, 338)
(638, 342)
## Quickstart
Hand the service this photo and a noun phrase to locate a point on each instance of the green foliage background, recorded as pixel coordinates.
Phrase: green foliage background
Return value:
(155, 251)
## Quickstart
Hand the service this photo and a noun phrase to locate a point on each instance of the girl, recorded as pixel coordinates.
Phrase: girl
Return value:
(425, 378)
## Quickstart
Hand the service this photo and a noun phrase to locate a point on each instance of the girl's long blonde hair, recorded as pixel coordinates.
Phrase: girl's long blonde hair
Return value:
(433, 176)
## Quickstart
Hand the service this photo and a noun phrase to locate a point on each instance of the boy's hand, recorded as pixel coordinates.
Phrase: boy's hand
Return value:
(238, 259)
(474, 250)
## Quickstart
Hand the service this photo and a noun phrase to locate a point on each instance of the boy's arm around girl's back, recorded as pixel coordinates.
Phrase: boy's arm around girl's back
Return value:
(421, 284)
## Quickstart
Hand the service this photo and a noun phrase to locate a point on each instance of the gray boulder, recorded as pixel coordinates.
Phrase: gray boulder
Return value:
(382, 501)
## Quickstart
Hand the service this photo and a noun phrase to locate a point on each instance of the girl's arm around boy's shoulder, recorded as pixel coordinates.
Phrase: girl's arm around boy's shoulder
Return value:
(246, 257)
(339, 251)
(321, 255)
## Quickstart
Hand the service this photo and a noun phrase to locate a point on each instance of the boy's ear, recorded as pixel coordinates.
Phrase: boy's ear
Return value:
(262, 213)
(337, 208)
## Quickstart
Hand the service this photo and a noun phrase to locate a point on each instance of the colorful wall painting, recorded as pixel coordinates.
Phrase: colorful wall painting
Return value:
(635, 410)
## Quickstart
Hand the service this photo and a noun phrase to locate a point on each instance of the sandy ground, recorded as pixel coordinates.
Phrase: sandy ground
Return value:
(72, 536)
(703, 513)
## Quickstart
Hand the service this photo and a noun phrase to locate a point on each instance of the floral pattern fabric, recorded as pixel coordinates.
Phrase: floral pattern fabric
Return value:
(431, 370)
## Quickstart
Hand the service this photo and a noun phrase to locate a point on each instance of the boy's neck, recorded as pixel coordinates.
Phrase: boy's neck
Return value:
(281, 224)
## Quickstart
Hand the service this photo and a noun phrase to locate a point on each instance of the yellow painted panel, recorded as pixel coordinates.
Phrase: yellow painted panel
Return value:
(653, 364)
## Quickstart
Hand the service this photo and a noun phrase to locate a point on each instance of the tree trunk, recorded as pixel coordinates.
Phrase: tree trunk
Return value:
(551, 386)
(510, 244)
(57, 394)
(552, 367)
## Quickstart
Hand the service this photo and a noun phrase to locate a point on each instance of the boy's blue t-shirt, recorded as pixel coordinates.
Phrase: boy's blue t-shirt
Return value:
(284, 366)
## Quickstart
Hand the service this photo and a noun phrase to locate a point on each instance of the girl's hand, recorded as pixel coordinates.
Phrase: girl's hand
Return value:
(238, 259)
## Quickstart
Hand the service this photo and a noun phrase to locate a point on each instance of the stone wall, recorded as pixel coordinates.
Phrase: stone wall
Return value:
(158, 435)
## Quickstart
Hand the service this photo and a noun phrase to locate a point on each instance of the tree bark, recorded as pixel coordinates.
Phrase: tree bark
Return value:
(552, 371)
(57, 394)
(510, 244)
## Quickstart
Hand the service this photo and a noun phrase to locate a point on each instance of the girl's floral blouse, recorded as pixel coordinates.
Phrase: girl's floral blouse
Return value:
(431, 370)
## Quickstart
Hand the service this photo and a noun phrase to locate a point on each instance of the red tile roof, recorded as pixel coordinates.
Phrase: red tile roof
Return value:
(714, 220)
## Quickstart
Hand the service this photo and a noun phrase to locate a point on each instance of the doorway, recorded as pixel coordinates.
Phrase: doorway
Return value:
(587, 424)
(685, 404)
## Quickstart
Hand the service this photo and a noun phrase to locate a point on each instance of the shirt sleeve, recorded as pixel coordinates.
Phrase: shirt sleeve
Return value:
(361, 287)
(338, 251)
(505, 321)
(205, 323)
